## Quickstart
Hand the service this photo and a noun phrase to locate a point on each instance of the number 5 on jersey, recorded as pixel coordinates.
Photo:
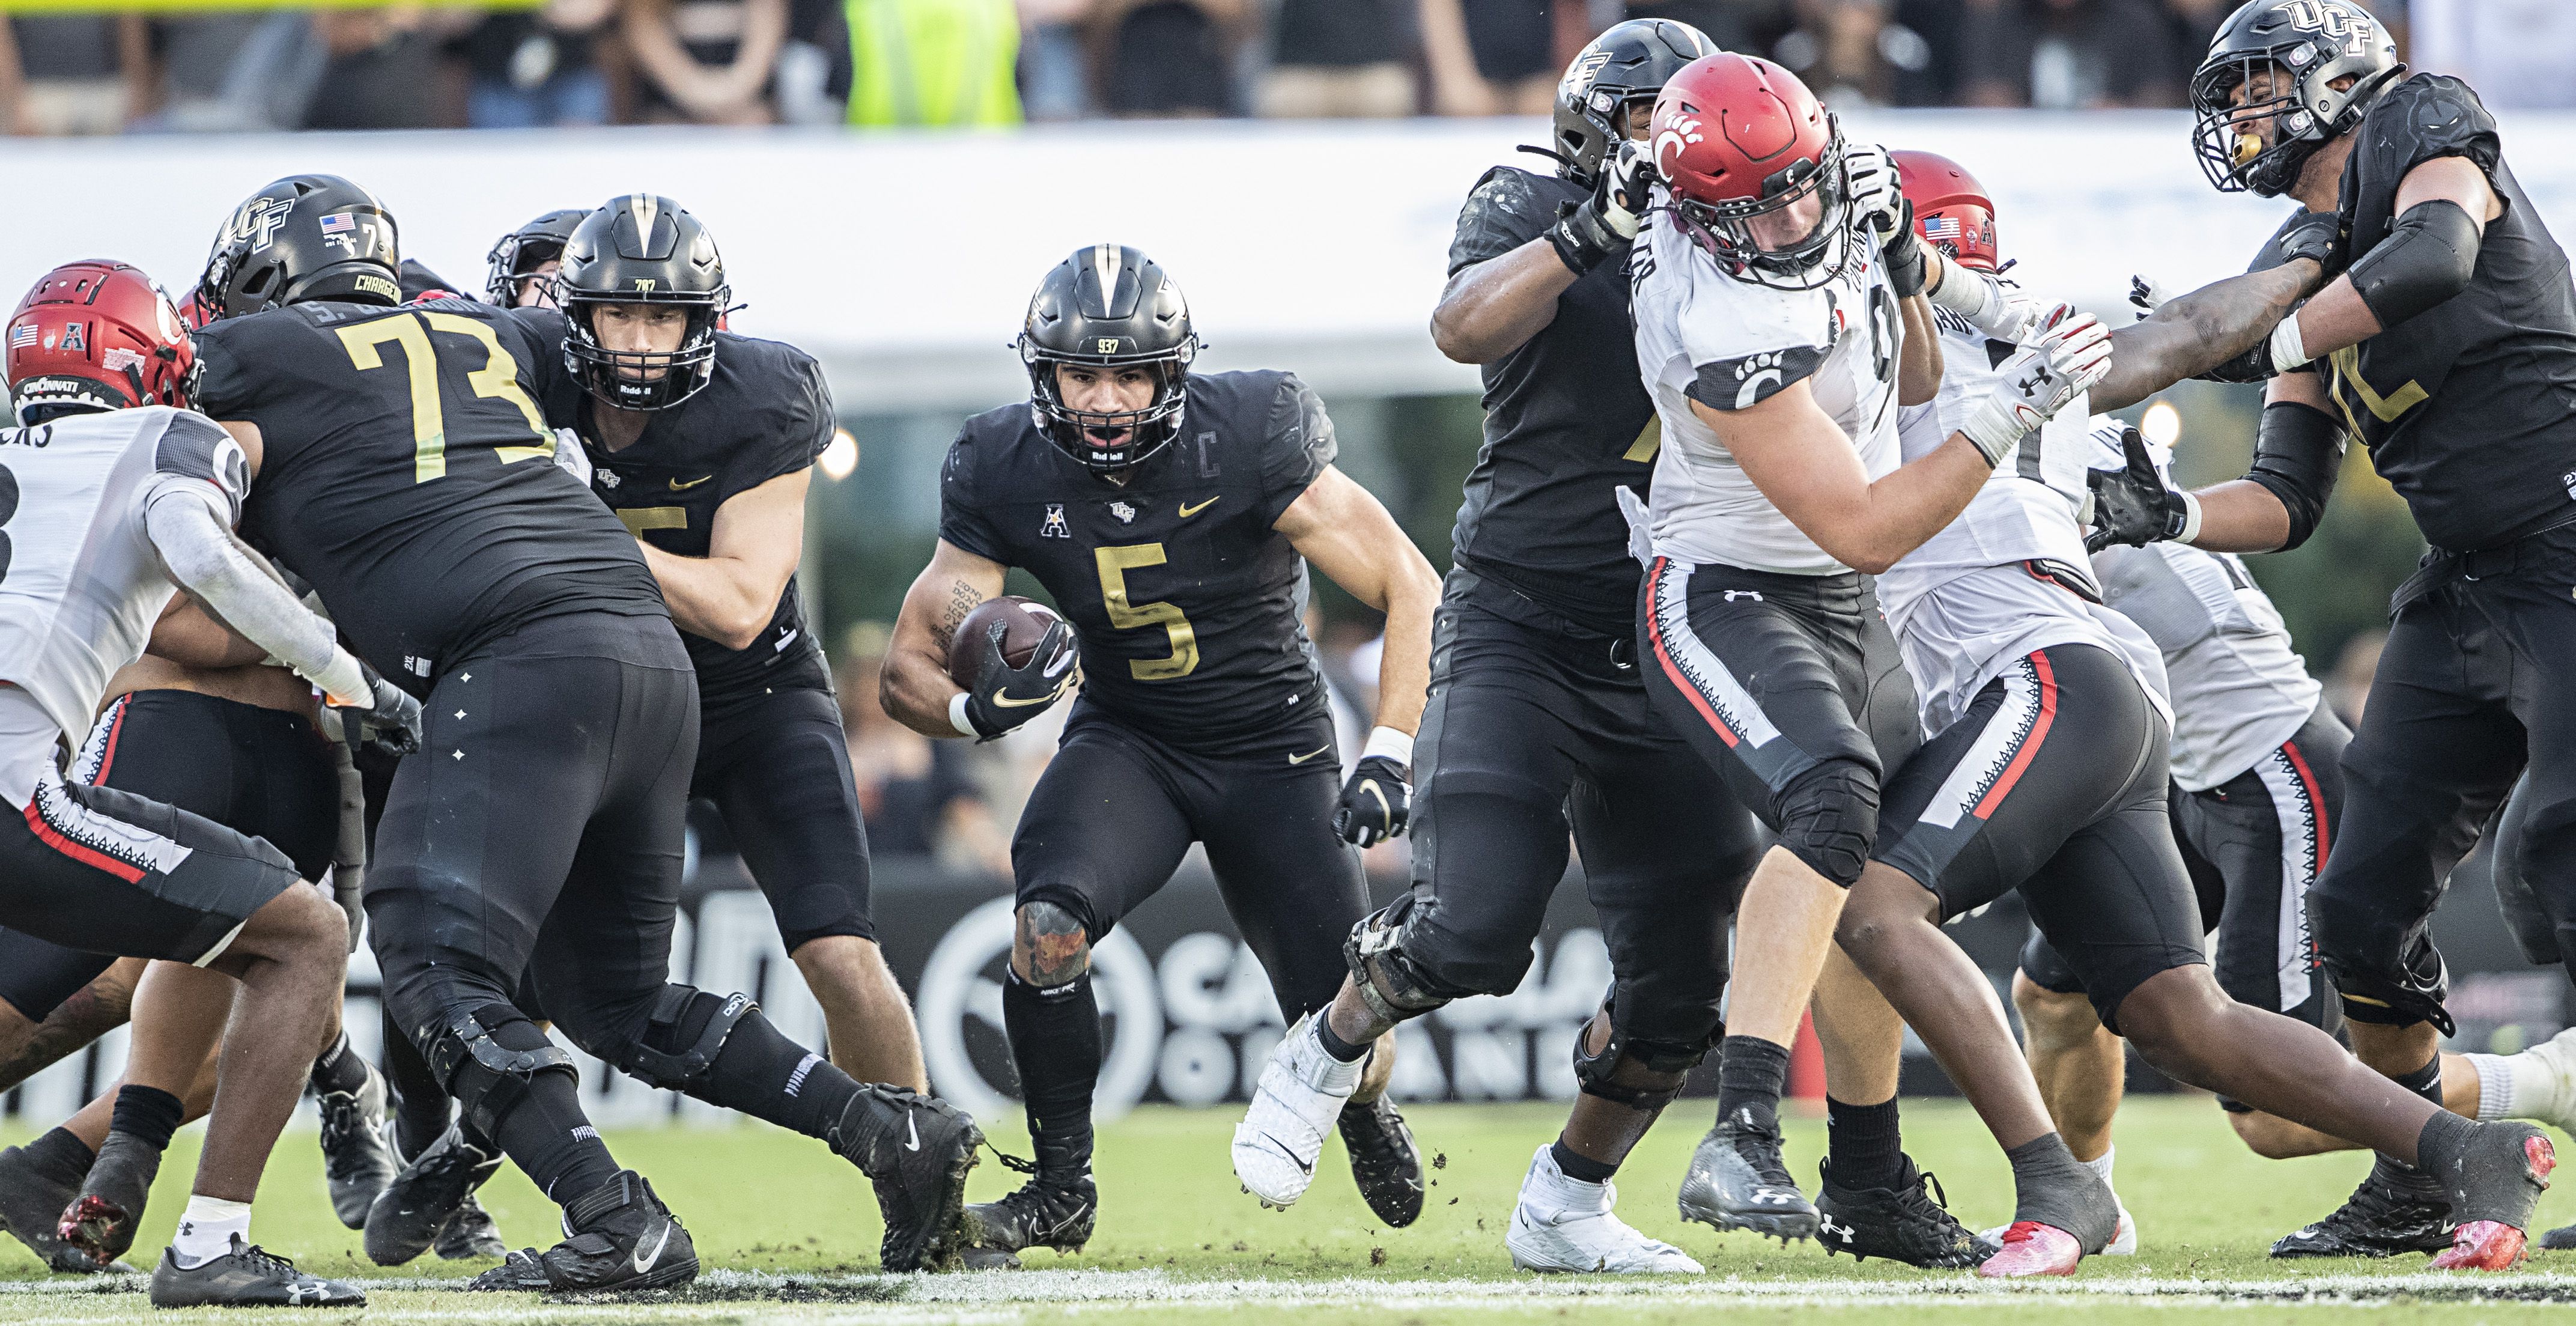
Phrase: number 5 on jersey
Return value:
(1114, 564)
(498, 377)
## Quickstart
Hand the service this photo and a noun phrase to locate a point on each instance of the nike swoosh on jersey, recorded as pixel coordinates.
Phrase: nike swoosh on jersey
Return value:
(644, 1263)
(1188, 511)
(679, 487)
(1301, 759)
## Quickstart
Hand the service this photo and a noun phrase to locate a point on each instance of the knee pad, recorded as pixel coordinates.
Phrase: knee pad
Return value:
(682, 1036)
(2394, 994)
(1829, 818)
(1667, 1063)
(1392, 985)
(486, 1055)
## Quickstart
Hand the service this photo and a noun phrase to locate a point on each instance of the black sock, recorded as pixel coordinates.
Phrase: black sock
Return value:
(147, 1114)
(769, 1077)
(1055, 1044)
(1863, 1144)
(2425, 1081)
(2054, 1188)
(61, 1154)
(1341, 1050)
(1576, 1165)
(545, 1131)
(338, 1069)
(420, 1104)
(1750, 1075)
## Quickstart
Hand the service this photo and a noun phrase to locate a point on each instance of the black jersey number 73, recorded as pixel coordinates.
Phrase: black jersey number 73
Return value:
(409, 333)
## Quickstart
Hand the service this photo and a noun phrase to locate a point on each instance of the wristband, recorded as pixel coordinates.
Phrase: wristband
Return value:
(957, 716)
(1968, 296)
(2190, 519)
(2289, 349)
(344, 681)
(1386, 743)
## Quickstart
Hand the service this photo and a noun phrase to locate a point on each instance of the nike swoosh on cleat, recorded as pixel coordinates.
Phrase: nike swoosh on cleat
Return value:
(1307, 1167)
(644, 1263)
(912, 1133)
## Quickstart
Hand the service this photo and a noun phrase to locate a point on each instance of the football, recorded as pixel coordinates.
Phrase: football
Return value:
(1024, 622)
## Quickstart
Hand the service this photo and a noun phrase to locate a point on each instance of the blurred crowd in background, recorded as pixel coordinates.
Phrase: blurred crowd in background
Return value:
(992, 62)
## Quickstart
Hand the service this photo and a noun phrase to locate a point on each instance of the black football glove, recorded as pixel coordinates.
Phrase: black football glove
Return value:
(390, 722)
(2131, 504)
(2316, 236)
(1004, 697)
(1592, 231)
(1374, 802)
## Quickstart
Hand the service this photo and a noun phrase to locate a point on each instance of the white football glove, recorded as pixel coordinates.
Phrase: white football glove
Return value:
(1630, 178)
(2072, 352)
(1878, 199)
(2147, 295)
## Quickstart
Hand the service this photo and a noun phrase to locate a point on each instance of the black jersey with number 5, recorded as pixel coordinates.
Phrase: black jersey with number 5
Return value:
(2469, 408)
(1188, 604)
(763, 414)
(407, 472)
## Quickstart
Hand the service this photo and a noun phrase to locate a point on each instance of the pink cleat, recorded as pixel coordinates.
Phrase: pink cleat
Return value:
(2031, 1248)
(2482, 1245)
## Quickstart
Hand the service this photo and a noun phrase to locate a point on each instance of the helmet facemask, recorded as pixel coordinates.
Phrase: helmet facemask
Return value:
(2300, 55)
(640, 379)
(1076, 432)
(1726, 228)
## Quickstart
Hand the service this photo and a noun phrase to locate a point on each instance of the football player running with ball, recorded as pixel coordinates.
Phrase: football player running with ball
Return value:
(2448, 346)
(1170, 515)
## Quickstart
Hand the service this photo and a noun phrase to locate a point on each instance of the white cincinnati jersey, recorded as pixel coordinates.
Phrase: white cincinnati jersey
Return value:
(2029, 507)
(1977, 623)
(1703, 335)
(82, 583)
(2239, 688)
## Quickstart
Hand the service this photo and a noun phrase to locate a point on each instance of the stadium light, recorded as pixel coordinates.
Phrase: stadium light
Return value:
(2162, 425)
(840, 455)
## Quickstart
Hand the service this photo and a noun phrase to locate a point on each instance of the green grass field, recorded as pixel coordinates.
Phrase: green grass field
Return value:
(788, 1235)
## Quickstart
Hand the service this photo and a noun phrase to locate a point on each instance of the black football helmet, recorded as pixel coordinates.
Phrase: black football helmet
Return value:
(303, 238)
(1627, 64)
(507, 265)
(2308, 45)
(641, 249)
(1108, 306)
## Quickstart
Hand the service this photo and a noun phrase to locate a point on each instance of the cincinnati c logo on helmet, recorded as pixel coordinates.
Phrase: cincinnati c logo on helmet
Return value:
(1672, 141)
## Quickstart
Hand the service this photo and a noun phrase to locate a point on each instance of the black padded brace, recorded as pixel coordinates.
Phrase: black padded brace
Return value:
(487, 1076)
(668, 1025)
(2429, 256)
(2298, 451)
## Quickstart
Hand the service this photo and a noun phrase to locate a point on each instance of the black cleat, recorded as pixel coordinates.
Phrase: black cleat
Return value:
(246, 1277)
(1045, 1213)
(621, 1237)
(408, 1215)
(32, 1199)
(1909, 1223)
(101, 1221)
(2397, 1209)
(355, 1156)
(918, 1149)
(1737, 1180)
(469, 1233)
(1384, 1162)
(2560, 1239)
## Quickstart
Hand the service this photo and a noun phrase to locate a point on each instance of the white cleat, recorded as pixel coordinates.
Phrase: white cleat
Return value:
(2124, 1240)
(1298, 1101)
(2548, 1096)
(1563, 1224)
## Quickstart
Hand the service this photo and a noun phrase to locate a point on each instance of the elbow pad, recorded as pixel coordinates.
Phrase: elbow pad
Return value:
(2429, 256)
(2298, 451)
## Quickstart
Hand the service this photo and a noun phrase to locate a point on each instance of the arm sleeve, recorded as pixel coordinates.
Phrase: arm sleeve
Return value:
(1296, 444)
(793, 432)
(963, 522)
(194, 447)
(2298, 451)
(187, 524)
(1502, 213)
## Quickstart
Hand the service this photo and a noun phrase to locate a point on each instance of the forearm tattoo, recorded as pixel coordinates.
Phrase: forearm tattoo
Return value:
(962, 598)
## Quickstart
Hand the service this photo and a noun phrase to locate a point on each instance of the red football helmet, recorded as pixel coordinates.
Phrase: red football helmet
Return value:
(97, 335)
(1737, 139)
(1951, 210)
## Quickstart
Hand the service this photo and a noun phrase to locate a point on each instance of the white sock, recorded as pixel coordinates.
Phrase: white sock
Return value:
(2101, 1165)
(207, 1230)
